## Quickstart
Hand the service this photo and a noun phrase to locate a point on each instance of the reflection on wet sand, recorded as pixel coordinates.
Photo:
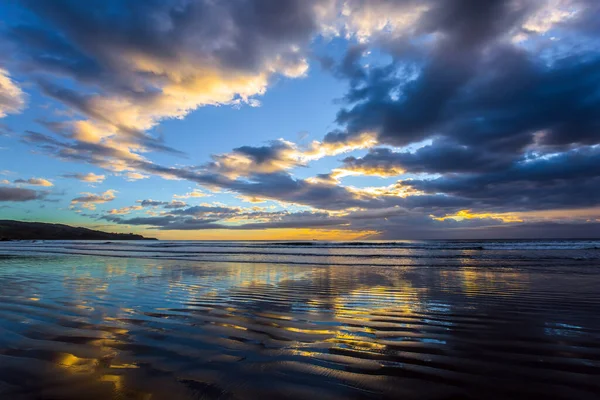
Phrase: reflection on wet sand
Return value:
(98, 328)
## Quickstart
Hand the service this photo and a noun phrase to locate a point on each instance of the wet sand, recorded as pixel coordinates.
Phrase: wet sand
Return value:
(74, 327)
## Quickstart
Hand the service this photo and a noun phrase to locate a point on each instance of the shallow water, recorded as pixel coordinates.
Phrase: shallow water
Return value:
(411, 320)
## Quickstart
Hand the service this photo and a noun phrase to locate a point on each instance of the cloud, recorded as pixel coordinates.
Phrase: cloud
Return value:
(480, 108)
(533, 230)
(467, 215)
(386, 223)
(329, 195)
(280, 155)
(124, 210)
(251, 199)
(152, 203)
(208, 210)
(134, 176)
(12, 98)
(173, 204)
(19, 194)
(563, 180)
(89, 200)
(193, 194)
(232, 218)
(442, 156)
(138, 64)
(472, 88)
(89, 177)
(126, 87)
(35, 182)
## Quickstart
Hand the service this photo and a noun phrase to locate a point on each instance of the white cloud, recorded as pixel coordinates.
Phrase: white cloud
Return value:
(12, 98)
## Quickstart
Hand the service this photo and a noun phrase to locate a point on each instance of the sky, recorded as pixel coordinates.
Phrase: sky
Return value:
(303, 119)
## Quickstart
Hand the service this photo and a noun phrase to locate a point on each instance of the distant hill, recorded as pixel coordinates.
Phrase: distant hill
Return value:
(19, 230)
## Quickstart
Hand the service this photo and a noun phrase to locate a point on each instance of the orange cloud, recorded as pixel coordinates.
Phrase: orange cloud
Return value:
(467, 214)
(90, 178)
(193, 194)
(35, 182)
(89, 200)
(124, 210)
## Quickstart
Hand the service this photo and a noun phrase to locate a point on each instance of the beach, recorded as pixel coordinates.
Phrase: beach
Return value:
(320, 320)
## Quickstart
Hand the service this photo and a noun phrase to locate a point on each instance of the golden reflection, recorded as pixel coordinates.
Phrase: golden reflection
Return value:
(124, 366)
(275, 316)
(238, 327)
(311, 331)
(117, 380)
(96, 368)
(355, 341)
(477, 281)
(114, 270)
(304, 353)
(105, 344)
(266, 234)
(401, 297)
(76, 364)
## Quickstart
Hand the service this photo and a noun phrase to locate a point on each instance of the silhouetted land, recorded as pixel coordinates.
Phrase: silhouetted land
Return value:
(19, 230)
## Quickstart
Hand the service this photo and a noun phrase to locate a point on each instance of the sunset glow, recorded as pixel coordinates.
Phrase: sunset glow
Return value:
(316, 119)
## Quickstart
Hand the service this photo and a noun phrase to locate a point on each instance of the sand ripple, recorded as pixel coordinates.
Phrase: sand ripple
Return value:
(75, 327)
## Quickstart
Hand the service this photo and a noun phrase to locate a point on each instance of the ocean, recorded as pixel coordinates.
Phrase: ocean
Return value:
(319, 320)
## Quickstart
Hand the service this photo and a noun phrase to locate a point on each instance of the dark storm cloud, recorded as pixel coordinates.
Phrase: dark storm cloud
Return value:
(531, 230)
(465, 26)
(562, 181)
(512, 125)
(123, 66)
(19, 194)
(282, 186)
(81, 36)
(291, 223)
(203, 210)
(278, 185)
(175, 204)
(152, 203)
(154, 221)
(391, 223)
(193, 224)
(439, 157)
(476, 88)
(214, 217)
(264, 154)
(566, 180)
(504, 100)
